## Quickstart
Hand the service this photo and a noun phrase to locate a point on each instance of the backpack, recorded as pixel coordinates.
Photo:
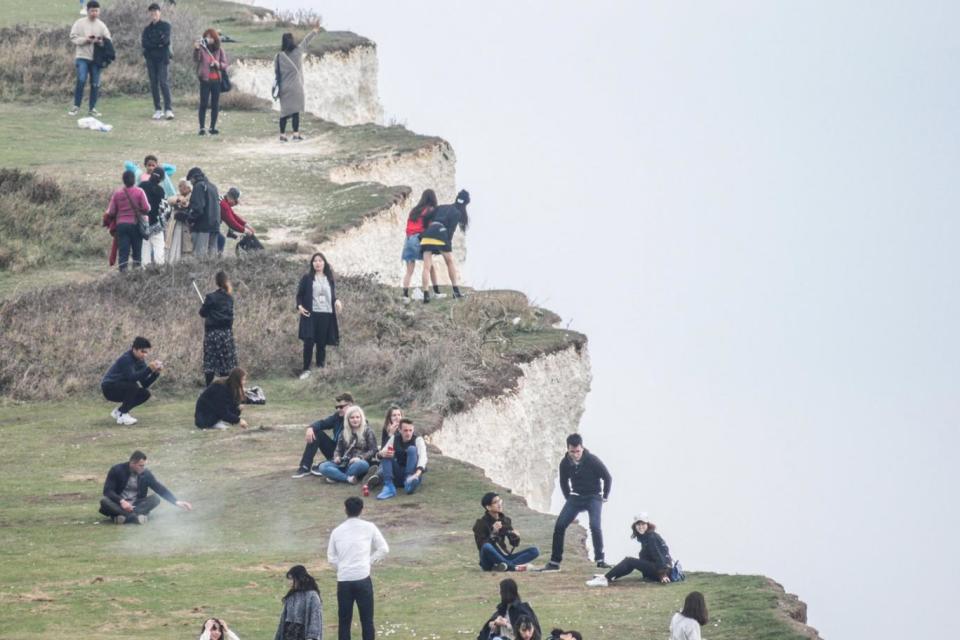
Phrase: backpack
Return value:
(249, 243)
(676, 573)
(254, 395)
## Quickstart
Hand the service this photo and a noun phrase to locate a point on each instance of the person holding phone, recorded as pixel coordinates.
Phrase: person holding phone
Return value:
(85, 34)
(317, 306)
(129, 379)
(211, 61)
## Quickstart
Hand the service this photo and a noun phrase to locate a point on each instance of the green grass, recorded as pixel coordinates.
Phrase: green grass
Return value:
(66, 572)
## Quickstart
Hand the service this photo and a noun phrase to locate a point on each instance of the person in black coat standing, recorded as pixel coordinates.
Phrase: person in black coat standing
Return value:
(318, 307)
(155, 42)
(219, 349)
(203, 214)
(218, 406)
(125, 499)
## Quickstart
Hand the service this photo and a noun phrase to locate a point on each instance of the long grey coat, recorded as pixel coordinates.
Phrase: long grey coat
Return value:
(288, 68)
(302, 617)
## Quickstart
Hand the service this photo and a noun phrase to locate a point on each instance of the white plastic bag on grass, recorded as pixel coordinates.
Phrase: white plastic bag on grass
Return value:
(93, 124)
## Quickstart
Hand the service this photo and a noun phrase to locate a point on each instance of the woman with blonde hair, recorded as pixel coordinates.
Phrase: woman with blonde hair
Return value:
(355, 449)
(178, 232)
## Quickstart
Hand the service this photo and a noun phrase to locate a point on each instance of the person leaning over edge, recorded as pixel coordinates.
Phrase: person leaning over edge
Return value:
(354, 545)
(581, 475)
(155, 41)
(125, 498)
(318, 440)
(492, 532)
(128, 379)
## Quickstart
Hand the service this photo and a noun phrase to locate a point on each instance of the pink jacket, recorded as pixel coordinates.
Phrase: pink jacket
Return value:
(120, 209)
(203, 60)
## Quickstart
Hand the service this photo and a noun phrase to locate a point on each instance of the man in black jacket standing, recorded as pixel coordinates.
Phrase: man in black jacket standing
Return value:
(204, 214)
(125, 498)
(155, 41)
(581, 476)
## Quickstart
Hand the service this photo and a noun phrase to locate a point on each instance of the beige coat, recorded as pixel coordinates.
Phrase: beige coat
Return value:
(78, 36)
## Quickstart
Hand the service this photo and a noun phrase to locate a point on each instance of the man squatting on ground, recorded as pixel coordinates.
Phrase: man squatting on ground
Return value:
(403, 460)
(125, 498)
(581, 475)
(354, 545)
(318, 440)
(127, 381)
(493, 532)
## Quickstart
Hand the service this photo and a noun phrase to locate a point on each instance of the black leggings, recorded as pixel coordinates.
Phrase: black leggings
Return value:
(321, 329)
(649, 570)
(296, 123)
(209, 96)
(130, 394)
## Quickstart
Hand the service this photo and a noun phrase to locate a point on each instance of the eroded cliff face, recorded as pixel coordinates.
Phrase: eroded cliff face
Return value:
(525, 428)
(339, 86)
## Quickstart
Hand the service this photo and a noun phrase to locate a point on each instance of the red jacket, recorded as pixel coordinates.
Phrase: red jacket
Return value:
(228, 216)
(416, 226)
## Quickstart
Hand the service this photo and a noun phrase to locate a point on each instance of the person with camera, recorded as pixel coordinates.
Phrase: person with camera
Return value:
(493, 532)
(155, 41)
(211, 64)
(128, 380)
(86, 33)
(228, 216)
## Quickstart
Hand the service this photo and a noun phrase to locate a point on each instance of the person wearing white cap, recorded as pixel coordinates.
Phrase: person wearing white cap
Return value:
(654, 561)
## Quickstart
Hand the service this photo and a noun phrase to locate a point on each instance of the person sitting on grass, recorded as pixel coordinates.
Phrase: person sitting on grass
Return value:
(216, 629)
(493, 532)
(506, 619)
(218, 406)
(526, 629)
(391, 424)
(318, 440)
(128, 380)
(685, 625)
(654, 562)
(403, 461)
(355, 449)
(125, 498)
(560, 634)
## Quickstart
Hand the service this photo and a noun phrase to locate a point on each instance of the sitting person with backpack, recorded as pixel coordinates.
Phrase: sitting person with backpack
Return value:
(654, 561)
(218, 406)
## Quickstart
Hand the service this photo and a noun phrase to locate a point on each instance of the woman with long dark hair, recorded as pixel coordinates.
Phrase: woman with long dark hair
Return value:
(219, 348)
(416, 221)
(218, 406)
(685, 625)
(437, 239)
(654, 561)
(391, 424)
(288, 77)
(211, 61)
(506, 618)
(302, 615)
(216, 629)
(318, 307)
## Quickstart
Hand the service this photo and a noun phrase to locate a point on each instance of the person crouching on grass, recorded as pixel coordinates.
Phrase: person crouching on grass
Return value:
(128, 379)
(218, 406)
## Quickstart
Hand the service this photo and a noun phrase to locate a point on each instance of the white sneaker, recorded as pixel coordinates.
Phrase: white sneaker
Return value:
(142, 519)
(598, 581)
(439, 296)
(405, 299)
(158, 115)
(168, 114)
(305, 374)
(74, 110)
(221, 425)
(126, 419)
(115, 414)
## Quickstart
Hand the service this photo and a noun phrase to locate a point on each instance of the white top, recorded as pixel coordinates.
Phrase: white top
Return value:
(354, 545)
(322, 302)
(684, 628)
(230, 635)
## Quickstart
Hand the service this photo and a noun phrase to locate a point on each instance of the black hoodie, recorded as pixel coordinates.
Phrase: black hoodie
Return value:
(584, 478)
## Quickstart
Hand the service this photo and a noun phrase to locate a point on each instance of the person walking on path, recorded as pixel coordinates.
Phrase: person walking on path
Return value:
(654, 561)
(127, 205)
(355, 449)
(302, 614)
(493, 532)
(353, 547)
(318, 307)
(218, 406)
(125, 498)
(437, 238)
(204, 215)
(288, 73)
(411, 246)
(128, 380)
(685, 624)
(317, 440)
(211, 61)
(219, 348)
(155, 41)
(585, 483)
(85, 34)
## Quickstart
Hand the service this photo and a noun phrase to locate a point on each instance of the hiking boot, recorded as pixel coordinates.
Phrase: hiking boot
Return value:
(389, 491)
(75, 110)
(115, 414)
(602, 564)
(315, 470)
(598, 581)
(301, 473)
(550, 566)
(158, 115)
(305, 374)
(119, 519)
(501, 566)
(168, 114)
(126, 419)
(374, 482)
(141, 519)
(93, 113)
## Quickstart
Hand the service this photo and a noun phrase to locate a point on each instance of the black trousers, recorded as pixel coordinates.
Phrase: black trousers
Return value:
(625, 566)
(140, 507)
(322, 442)
(209, 97)
(296, 123)
(321, 329)
(361, 592)
(129, 394)
(158, 71)
(129, 241)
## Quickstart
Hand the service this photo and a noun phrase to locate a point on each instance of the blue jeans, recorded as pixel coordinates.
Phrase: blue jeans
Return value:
(86, 68)
(571, 509)
(332, 471)
(392, 471)
(490, 555)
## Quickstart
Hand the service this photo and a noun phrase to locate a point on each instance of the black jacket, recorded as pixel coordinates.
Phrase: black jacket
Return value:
(448, 215)
(483, 533)
(655, 550)
(155, 41)
(117, 479)
(584, 478)
(305, 300)
(330, 423)
(512, 612)
(103, 53)
(204, 214)
(217, 311)
(155, 195)
(216, 403)
(128, 369)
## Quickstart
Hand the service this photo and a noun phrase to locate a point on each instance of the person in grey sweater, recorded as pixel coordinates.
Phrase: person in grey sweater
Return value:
(302, 615)
(288, 72)
(86, 33)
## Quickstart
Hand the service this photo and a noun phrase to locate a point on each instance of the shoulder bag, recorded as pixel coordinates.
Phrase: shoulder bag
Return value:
(142, 223)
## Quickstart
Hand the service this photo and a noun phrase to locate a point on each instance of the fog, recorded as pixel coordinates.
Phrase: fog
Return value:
(750, 209)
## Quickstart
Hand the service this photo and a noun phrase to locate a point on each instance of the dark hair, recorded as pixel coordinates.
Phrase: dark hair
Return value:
(488, 499)
(463, 199)
(327, 269)
(574, 440)
(93, 4)
(386, 418)
(141, 343)
(156, 176)
(137, 456)
(556, 633)
(508, 591)
(152, 157)
(195, 173)
(526, 622)
(633, 529)
(222, 280)
(428, 200)
(344, 397)
(353, 506)
(217, 621)
(214, 37)
(694, 606)
(404, 421)
(234, 382)
(129, 178)
(302, 581)
(286, 43)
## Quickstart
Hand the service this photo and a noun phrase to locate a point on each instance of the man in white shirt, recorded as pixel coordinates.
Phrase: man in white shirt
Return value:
(354, 545)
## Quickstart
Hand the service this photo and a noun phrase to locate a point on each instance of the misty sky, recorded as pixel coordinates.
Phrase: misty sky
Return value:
(750, 208)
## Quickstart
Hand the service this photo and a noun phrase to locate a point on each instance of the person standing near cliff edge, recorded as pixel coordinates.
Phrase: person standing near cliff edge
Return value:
(581, 476)
(288, 81)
